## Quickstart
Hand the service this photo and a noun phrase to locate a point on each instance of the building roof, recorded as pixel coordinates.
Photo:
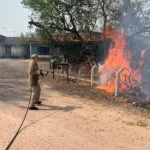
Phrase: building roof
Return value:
(9, 40)
(60, 38)
(12, 40)
(89, 37)
(32, 40)
(2, 37)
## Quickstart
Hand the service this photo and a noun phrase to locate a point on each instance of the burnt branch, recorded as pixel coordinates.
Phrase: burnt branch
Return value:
(134, 87)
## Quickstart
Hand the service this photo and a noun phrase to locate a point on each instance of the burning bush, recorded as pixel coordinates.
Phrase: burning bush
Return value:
(121, 57)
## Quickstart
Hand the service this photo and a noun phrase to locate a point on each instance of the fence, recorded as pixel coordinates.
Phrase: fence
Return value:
(79, 73)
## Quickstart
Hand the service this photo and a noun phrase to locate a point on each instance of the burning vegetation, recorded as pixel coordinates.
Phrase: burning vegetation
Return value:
(131, 79)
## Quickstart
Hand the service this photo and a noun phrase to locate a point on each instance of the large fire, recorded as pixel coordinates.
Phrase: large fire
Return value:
(118, 57)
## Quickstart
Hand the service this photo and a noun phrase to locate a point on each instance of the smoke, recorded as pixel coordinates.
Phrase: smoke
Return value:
(135, 21)
(106, 75)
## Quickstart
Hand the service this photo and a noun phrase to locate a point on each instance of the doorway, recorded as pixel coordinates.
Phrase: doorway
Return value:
(8, 51)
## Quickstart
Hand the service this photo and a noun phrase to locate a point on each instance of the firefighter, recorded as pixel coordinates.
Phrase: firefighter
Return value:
(33, 78)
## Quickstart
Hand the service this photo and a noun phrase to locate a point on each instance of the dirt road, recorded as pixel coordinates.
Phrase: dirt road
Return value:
(64, 122)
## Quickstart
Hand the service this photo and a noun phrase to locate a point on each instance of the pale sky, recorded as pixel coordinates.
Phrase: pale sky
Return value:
(13, 18)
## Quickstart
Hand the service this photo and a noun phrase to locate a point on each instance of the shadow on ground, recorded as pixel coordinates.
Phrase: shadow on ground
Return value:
(55, 109)
(72, 89)
(65, 109)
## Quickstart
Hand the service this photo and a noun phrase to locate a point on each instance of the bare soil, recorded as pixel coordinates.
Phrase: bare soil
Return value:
(71, 117)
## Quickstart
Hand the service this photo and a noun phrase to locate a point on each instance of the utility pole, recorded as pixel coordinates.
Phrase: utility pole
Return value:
(30, 27)
(30, 49)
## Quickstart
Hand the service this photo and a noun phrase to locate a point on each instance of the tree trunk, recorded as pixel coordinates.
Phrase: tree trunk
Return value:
(105, 24)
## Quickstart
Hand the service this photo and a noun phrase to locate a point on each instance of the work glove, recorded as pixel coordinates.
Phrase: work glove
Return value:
(41, 73)
(46, 73)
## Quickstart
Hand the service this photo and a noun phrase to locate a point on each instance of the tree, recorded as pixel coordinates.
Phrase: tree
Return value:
(107, 10)
(22, 38)
(75, 16)
(42, 35)
(134, 17)
(55, 16)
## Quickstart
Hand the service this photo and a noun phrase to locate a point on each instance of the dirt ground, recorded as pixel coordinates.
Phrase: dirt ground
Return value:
(66, 121)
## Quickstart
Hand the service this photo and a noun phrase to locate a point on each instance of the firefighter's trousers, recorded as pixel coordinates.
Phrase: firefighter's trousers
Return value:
(36, 91)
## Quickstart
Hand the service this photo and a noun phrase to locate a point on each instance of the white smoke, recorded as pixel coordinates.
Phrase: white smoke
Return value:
(105, 75)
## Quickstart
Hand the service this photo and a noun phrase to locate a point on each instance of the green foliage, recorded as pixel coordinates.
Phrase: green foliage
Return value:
(75, 16)
(23, 54)
(55, 16)
(22, 39)
(43, 36)
(25, 36)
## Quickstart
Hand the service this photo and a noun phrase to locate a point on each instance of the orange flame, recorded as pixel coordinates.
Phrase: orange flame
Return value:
(118, 58)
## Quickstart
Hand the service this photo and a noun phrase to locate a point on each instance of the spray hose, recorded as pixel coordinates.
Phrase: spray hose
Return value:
(24, 118)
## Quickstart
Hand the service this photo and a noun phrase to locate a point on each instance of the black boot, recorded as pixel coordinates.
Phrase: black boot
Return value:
(33, 108)
(38, 103)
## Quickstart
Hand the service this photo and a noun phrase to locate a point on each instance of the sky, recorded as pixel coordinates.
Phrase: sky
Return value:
(13, 18)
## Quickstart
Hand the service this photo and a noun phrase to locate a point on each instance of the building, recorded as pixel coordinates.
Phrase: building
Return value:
(15, 47)
(10, 47)
(36, 47)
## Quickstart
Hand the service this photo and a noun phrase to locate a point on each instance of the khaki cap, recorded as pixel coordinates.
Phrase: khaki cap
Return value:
(34, 56)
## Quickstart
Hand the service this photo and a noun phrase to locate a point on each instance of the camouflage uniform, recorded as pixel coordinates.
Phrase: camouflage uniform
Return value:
(33, 78)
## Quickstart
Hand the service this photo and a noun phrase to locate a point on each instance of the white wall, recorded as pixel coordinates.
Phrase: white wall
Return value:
(16, 51)
(2, 51)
